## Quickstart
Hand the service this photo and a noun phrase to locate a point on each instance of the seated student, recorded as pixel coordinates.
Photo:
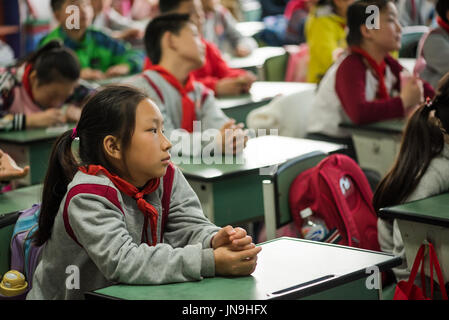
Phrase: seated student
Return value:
(100, 55)
(415, 12)
(220, 29)
(108, 218)
(33, 92)
(421, 169)
(215, 73)
(325, 35)
(9, 169)
(365, 85)
(436, 47)
(174, 46)
(113, 23)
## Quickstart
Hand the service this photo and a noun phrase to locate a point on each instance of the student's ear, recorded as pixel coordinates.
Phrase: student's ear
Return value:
(169, 40)
(112, 147)
(33, 78)
(365, 32)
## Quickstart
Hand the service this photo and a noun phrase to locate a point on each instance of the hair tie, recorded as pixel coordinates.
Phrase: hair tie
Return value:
(74, 133)
(429, 103)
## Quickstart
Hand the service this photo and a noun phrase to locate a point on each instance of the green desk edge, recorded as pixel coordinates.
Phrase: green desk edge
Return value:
(433, 210)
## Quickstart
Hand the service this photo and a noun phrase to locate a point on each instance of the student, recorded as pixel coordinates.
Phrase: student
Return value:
(100, 56)
(9, 170)
(215, 73)
(220, 29)
(108, 223)
(436, 46)
(33, 92)
(325, 35)
(113, 23)
(421, 169)
(416, 12)
(365, 85)
(174, 46)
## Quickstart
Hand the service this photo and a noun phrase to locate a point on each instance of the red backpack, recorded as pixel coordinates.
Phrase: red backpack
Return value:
(338, 192)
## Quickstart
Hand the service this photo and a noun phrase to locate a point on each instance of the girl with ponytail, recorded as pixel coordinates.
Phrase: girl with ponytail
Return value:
(33, 91)
(421, 169)
(104, 212)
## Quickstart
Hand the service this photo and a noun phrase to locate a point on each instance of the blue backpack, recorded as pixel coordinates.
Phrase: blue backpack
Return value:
(24, 254)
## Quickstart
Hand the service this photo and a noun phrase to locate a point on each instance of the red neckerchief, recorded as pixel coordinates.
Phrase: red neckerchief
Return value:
(188, 106)
(26, 80)
(379, 69)
(443, 24)
(149, 212)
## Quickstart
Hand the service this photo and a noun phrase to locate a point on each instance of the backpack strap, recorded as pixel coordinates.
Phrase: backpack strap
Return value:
(168, 185)
(153, 85)
(97, 189)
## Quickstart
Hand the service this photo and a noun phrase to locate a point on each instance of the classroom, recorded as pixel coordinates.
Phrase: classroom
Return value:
(224, 150)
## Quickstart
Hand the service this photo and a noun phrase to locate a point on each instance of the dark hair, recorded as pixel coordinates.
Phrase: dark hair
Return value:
(357, 16)
(423, 140)
(166, 6)
(156, 29)
(111, 111)
(54, 63)
(442, 7)
(57, 4)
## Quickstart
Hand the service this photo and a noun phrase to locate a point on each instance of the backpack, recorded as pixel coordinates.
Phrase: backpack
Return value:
(338, 192)
(24, 254)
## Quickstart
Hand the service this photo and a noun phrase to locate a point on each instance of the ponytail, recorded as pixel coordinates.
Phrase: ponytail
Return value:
(54, 63)
(62, 168)
(423, 140)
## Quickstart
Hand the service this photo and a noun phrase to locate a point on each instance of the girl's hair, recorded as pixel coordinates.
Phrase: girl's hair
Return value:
(111, 111)
(54, 63)
(357, 17)
(423, 140)
(442, 7)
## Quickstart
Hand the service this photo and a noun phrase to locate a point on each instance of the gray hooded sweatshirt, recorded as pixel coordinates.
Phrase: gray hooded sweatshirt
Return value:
(110, 249)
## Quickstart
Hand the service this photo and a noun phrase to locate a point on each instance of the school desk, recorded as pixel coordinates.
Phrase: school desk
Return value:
(426, 219)
(232, 193)
(32, 147)
(250, 28)
(10, 203)
(287, 268)
(261, 93)
(256, 60)
(376, 144)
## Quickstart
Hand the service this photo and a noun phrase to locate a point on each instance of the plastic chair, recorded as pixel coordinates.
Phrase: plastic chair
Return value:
(410, 39)
(276, 191)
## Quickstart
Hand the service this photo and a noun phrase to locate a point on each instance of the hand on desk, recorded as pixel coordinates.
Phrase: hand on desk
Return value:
(72, 113)
(92, 74)
(47, 118)
(233, 137)
(234, 252)
(117, 71)
(235, 86)
(9, 169)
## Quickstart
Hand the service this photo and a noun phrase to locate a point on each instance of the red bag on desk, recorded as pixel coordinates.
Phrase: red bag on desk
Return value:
(407, 290)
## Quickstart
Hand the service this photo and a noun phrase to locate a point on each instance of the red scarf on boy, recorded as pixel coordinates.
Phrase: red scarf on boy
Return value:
(149, 212)
(379, 70)
(26, 80)
(443, 24)
(188, 106)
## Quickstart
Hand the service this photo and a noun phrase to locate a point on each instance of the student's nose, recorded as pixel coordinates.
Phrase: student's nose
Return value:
(166, 144)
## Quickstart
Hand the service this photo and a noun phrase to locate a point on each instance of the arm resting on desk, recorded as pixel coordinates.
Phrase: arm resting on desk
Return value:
(104, 236)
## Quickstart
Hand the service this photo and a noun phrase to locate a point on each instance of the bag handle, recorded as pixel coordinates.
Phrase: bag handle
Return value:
(433, 259)
(418, 259)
